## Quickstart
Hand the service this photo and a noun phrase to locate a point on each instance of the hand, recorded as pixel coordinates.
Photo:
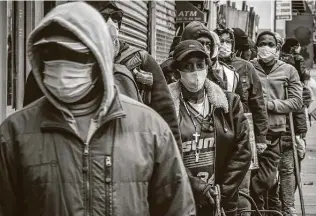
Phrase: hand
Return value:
(261, 147)
(300, 147)
(208, 197)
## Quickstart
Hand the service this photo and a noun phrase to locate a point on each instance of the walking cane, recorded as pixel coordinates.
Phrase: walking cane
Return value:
(296, 163)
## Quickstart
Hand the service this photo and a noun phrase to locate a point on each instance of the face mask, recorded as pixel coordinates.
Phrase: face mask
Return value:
(277, 55)
(266, 53)
(193, 81)
(298, 50)
(68, 81)
(114, 32)
(225, 50)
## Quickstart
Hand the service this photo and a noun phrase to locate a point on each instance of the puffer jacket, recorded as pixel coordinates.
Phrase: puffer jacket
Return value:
(129, 164)
(273, 84)
(233, 151)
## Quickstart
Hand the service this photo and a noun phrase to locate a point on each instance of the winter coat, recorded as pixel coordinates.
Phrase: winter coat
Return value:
(273, 85)
(129, 164)
(160, 99)
(232, 147)
(252, 97)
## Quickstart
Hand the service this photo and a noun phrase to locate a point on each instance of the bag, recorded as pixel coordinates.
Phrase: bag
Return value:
(132, 60)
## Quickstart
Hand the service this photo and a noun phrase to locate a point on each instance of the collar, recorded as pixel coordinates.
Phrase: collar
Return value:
(55, 118)
(215, 95)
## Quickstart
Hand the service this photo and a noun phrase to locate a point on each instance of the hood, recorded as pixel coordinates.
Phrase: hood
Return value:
(90, 28)
(195, 30)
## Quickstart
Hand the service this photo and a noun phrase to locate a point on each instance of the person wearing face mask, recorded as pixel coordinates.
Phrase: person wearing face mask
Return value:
(84, 148)
(290, 55)
(274, 76)
(218, 72)
(214, 131)
(145, 72)
(251, 97)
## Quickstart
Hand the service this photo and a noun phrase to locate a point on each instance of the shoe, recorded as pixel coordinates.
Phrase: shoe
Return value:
(292, 211)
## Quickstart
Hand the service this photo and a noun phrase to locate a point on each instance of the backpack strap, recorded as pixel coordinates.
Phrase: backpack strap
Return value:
(127, 55)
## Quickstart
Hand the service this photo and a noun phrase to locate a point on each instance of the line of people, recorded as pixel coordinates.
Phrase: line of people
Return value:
(263, 78)
(103, 134)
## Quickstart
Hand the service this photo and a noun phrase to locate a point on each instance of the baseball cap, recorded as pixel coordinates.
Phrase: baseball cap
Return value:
(186, 47)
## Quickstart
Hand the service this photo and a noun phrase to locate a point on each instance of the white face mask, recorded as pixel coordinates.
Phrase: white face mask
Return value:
(266, 53)
(193, 81)
(114, 32)
(225, 50)
(68, 81)
(298, 50)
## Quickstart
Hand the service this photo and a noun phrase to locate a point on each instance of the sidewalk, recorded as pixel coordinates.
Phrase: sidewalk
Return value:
(309, 175)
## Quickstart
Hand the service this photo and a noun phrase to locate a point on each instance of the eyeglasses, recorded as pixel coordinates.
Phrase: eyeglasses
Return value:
(116, 16)
(53, 51)
(230, 41)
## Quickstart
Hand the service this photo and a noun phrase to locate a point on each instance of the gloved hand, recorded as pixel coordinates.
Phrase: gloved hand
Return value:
(300, 147)
(261, 147)
(203, 193)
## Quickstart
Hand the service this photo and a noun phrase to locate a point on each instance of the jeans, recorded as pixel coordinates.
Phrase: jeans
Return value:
(264, 179)
(243, 203)
(287, 179)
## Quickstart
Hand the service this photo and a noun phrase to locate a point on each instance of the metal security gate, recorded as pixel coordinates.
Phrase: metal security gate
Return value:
(134, 29)
(165, 24)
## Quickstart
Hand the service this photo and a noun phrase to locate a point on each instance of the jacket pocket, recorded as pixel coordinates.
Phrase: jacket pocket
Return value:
(277, 122)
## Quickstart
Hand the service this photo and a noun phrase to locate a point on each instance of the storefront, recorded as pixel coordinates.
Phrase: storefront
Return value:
(149, 25)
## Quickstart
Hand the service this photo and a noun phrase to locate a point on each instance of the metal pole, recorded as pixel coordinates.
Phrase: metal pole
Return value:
(20, 41)
(274, 20)
(3, 59)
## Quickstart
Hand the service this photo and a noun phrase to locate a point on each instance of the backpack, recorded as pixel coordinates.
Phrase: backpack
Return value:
(131, 80)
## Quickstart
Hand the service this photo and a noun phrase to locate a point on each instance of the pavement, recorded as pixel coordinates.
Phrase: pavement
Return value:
(308, 174)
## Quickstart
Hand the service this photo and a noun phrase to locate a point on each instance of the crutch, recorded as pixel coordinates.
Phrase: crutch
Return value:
(296, 163)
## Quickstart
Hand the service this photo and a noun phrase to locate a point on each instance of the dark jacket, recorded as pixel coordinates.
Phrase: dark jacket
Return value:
(129, 164)
(252, 97)
(160, 99)
(273, 85)
(233, 151)
(298, 62)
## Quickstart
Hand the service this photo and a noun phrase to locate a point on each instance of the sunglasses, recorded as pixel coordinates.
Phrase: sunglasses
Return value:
(116, 16)
(53, 51)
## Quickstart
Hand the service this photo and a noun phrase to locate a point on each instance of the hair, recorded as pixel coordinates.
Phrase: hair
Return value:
(266, 33)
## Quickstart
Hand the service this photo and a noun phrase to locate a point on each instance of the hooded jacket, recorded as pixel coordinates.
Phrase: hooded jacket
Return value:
(252, 95)
(129, 165)
(232, 147)
(273, 85)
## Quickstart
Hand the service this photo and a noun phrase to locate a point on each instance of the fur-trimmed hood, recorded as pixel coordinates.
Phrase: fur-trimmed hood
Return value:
(215, 95)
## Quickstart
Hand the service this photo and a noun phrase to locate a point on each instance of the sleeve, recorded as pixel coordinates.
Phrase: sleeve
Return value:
(294, 102)
(238, 165)
(8, 180)
(32, 91)
(240, 92)
(161, 100)
(300, 124)
(303, 72)
(257, 107)
(170, 192)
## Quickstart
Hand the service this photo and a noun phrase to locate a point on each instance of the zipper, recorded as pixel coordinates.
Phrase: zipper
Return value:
(86, 176)
(108, 184)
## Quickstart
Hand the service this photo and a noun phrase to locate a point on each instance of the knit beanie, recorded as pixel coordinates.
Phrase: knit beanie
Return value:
(241, 39)
(289, 44)
(266, 33)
